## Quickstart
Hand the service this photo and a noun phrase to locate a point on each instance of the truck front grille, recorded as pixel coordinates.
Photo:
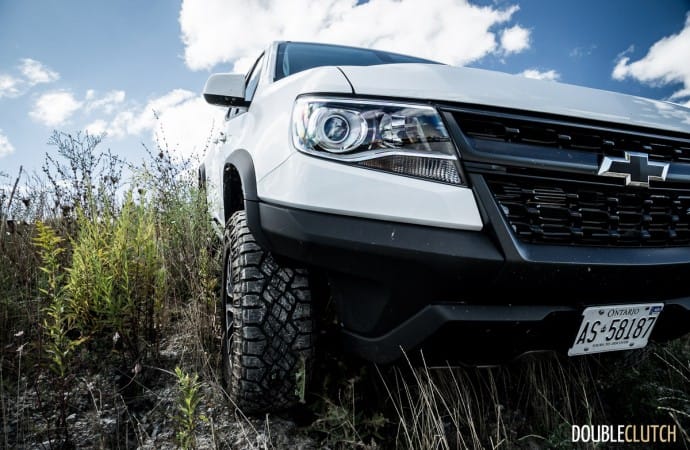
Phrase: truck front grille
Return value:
(567, 135)
(543, 173)
(570, 213)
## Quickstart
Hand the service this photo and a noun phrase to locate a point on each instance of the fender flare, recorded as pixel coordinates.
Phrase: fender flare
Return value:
(242, 161)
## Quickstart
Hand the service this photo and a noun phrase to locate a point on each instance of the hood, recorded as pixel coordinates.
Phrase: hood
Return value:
(484, 87)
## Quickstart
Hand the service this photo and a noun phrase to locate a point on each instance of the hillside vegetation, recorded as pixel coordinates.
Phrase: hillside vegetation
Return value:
(110, 338)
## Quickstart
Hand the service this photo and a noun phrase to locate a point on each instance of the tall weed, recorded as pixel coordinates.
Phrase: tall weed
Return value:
(59, 321)
(82, 176)
(189, 246)
(117, 280)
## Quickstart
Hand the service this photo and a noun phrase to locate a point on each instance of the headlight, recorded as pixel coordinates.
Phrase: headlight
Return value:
(395, 137)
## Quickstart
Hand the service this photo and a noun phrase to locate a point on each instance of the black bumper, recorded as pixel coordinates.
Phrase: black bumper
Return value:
(474, 296)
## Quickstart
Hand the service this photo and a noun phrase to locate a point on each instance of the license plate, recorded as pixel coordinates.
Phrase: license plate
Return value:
(612, 328)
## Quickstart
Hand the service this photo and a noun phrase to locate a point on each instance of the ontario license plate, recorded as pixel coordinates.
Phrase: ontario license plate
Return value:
(611, 328)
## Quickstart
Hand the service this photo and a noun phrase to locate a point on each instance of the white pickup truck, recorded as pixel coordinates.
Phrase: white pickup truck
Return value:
(474, 215)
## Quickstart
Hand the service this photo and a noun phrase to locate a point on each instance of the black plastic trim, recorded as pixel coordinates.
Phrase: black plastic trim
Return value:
(418, 328)
(310, 236)
(422, 326)
(242, 161)
(223, 100)
(553, 119)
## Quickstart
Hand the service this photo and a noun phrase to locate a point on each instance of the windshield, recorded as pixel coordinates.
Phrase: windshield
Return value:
(294, 57)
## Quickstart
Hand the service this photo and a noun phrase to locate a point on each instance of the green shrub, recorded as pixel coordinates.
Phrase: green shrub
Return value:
(187, 415)
(117, 280)
(59, 320)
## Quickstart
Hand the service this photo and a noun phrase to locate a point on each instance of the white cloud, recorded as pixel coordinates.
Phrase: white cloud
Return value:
(6, 146)
(32, 73)
(118, 127)
(450, 31)
(181, 117)
(54, 108)
(187, 126)
(550, 75)
(515, 39)
(685, 92)
(666, 62)
(98, 126)
(36, 72)
(9, 86)
(134, 121)
(106, 103)
(581, 52)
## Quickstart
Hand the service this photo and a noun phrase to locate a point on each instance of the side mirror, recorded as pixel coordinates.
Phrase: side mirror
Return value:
(225, 89)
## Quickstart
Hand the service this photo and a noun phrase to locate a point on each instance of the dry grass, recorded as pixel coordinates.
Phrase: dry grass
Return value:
(532, 402)
(529, 404)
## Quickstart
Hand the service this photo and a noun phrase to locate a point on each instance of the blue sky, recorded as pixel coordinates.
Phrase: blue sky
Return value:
(105, 66)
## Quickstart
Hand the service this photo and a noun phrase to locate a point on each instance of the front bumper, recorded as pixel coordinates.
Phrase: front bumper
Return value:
(306, 182)
(477, 296)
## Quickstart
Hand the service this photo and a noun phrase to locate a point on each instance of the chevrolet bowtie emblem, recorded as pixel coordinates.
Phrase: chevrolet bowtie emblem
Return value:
(636, 168)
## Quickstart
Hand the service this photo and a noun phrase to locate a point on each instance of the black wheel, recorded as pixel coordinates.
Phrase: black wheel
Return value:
(267, 323)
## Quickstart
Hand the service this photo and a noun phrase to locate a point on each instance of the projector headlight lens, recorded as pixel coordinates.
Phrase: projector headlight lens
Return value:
(395, 137)
(336, 130)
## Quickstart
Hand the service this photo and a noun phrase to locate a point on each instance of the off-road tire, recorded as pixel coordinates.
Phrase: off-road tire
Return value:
(267, 340)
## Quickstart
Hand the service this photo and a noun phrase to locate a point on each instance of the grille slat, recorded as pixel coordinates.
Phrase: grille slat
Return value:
(570, 213)
(522, 130)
